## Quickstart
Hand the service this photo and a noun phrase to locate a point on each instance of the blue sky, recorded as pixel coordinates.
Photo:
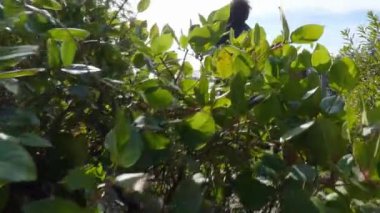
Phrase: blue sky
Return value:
(335, 15)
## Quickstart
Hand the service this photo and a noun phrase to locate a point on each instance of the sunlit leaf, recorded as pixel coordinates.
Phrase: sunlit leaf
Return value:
(161, 43)
(48, 4)
(63, 34)
(343, 75)
(20, 73)
(285, 26)
(320, 59)
(156, 141)
(158, 98)
(124, 143)
(307, 33)
(224, 64)
(53, 53)
(143, 5)
(68, 51)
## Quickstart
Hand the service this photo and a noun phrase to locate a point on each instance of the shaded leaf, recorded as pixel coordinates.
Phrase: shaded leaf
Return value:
(56, 205)
(7, 53)
(16, 163)
(187, 197)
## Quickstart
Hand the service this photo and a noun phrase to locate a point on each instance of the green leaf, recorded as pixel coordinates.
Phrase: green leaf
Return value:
(56, 205)
(78, 179)
(63, 34)
(296, 131)
(296, 199)
(320, 59)
(68, 51)
(238, 101)
(332, 105)
(161, 43)
(138, 60)
(199, 38)
(183, 41)
(16, 163)
(143, 5)
(154, 31)
(203, 122)
(48, 4)
(187, 197)
(302, 62)
(221, 14)
(7, 53)
(343, 75)
(158, 98)
(124, 143)
(252, 193)
(53, 53)
(201, 92)
(33, 140)
(156, 141)
(198, 129)
(303, 173)
(20, 73)
(323, 141)
(78, 69)
(224, 64)
(307, 34)
(367, 156)
(285, 26)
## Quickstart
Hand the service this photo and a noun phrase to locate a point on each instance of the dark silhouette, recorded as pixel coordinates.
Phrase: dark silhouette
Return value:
(239, 13)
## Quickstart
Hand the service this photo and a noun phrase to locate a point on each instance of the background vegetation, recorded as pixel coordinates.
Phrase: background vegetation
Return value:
(101, 114)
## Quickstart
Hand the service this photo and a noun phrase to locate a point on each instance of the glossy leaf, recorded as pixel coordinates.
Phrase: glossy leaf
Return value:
(20, 73)
(332, 105)
(296, 131)
(7, 53)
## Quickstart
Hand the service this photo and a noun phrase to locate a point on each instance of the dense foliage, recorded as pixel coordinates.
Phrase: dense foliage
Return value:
(101, 114)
